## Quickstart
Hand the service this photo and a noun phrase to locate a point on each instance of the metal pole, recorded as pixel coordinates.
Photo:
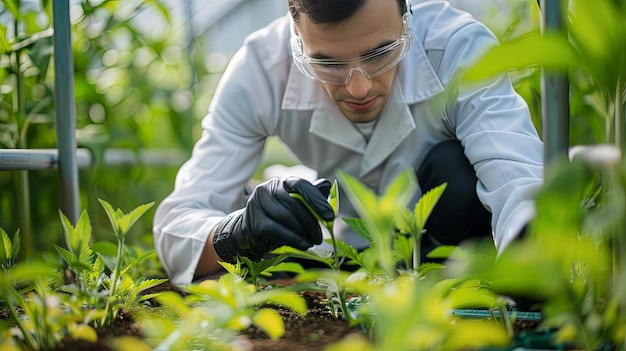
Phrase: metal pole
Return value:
(555, 93)
(65, 110)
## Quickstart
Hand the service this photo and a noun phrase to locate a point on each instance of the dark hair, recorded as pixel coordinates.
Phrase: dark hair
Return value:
(329, 11)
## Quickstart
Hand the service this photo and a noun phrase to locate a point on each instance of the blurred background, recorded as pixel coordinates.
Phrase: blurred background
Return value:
(145, 73)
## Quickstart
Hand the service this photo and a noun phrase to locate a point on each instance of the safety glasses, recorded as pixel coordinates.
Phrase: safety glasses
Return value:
(371, 64)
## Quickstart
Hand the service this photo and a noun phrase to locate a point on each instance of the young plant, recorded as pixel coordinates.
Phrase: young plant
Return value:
(122, 292)
(87, 270)
(412, 224)
(121, 223)
(379, 213)
(254, 271)
(215, 311)
(9, 250)
(413, 313)
(43, 320)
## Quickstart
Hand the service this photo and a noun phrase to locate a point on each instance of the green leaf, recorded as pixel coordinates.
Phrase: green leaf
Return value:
(270, 322)
(379, 213)
(403, 246)
(13, 6)
(406, 223)
(121, 222)
(5, 47)
(30, 272)
(441, 252)
(17, 239)
(552, 51)
(67, 256)
(598, 31)
(293, 252)
(333, 197)
(427, 267)
(77, 237)
(291, 267)
(105, 248)
(147, 284)
(6, 249)
(359, 227)
(426, 204)
(348, 251)
(41, 54)
(282, 297)
(472, 294)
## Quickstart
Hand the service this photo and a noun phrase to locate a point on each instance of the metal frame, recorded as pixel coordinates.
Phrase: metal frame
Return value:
(555, 94)
(65, 109)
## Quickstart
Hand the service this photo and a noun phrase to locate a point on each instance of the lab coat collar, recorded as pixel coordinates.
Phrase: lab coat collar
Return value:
(415, 81)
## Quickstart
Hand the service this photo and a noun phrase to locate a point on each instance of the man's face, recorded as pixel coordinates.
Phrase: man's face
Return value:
(376, 24)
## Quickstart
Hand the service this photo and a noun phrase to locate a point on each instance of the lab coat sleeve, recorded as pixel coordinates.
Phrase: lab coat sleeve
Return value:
(494, 125)
(211, 183)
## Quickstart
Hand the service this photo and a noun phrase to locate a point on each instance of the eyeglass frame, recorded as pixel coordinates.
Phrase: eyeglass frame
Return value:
(301, 59)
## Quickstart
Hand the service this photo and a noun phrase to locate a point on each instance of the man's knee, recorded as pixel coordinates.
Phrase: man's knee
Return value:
(459, 214)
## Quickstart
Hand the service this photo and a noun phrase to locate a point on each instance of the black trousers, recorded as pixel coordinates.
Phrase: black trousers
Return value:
(458, 215)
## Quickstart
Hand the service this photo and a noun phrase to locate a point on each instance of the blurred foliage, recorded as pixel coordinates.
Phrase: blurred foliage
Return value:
(144, 84)
(136, 87)
(590, 49)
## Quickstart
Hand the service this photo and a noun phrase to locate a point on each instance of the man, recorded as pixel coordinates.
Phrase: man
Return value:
(366, 86)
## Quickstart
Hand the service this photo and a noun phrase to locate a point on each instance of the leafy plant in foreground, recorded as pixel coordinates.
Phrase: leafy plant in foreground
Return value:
(8, 250)
(120, 285)
(379, 214)
(43, 321)
(413, 223)
(104, 295)
(215, 311)
(412, 313)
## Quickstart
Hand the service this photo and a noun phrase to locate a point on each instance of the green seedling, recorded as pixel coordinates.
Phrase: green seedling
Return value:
(331, 283)
(42, 321)
(8, 250)
(215, 311)
(104, 295)
(412, 224)
(87, 269)
(413, 313)
(254, 271)
(379, 213)
(118, 285)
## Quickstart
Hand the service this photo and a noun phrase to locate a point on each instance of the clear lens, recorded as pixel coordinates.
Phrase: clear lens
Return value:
(373, 65)
(339, 71)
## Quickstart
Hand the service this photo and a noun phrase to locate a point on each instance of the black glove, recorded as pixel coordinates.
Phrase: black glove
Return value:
(272, 218)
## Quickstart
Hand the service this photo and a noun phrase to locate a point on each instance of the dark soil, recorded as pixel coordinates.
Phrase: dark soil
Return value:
(314, 331)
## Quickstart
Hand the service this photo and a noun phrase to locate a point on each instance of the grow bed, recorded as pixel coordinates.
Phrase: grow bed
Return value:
(315, 331)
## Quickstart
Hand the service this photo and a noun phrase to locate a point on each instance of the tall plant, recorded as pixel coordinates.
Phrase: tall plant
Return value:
(591, 50)
(581, 208)
(25, 54)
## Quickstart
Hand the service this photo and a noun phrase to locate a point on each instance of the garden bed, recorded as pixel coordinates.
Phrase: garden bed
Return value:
(314, 331)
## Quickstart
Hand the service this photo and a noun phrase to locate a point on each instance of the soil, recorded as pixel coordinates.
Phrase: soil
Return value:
(312, 332)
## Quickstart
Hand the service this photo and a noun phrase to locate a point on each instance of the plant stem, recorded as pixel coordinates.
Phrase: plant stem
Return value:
(28, 337)
(111, 306)
(617, 101)
(336, 262)
(23, 188)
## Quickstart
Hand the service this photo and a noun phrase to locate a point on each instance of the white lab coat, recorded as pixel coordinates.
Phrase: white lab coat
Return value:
(263, 94)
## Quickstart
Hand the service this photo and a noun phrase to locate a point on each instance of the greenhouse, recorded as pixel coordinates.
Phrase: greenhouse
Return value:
(131, 217)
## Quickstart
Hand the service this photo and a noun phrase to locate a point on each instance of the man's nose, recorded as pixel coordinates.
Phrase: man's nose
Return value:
(358, 85)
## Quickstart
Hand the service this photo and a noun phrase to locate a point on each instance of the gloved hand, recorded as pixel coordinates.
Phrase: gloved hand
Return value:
(272, 218)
